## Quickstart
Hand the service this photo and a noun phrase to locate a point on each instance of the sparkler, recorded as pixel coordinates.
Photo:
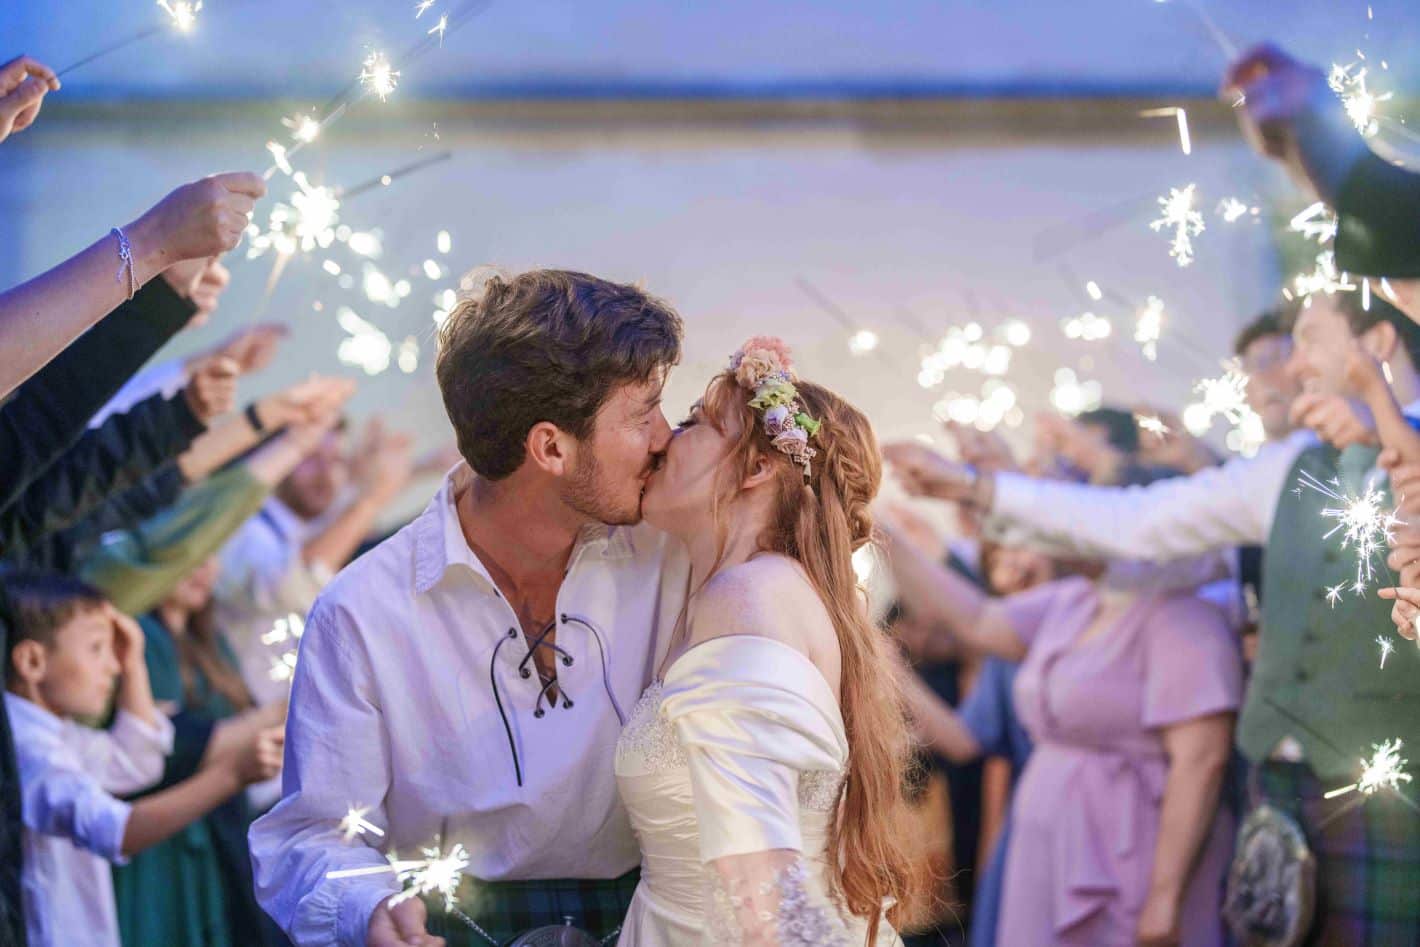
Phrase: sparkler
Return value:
(1364, 526)
(1148, 326)
(1231, 209)
(182, 15)
(1152, 424)
(308, 220)
(1384, 770)
(1225, 395)
(377, 75)
(288, 629)
(1183, 218)
(1360, 103)
(435, 872)
(1225, 44)
(366, 347)
(1325, 278)
(1185, 142)
(304, 128)
(1387, 648)
(1317, 222)
(355, 824)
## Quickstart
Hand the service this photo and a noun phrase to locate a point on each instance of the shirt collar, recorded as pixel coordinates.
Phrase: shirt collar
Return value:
(439, 542)
(283, 520)
(32, 716)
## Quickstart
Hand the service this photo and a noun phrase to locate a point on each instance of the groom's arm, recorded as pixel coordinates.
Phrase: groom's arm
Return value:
(336, 757)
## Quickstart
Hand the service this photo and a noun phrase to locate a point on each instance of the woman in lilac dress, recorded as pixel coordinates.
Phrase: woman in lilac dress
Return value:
(1118, 838)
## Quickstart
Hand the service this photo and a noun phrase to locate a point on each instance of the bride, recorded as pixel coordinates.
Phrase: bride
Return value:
(763, 768)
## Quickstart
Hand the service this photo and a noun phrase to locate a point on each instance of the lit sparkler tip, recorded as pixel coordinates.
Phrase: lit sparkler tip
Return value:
(304, 128)
(355, 824)
(378, 76)
(1387, 648)
(1152, 424)
(1148, 326)
(1181, 216)
(182, 12)
(863, 341)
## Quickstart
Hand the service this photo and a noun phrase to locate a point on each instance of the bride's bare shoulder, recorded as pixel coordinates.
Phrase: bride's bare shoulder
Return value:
(770, 596)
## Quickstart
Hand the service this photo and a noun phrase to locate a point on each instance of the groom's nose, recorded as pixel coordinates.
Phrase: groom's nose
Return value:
(660, 434)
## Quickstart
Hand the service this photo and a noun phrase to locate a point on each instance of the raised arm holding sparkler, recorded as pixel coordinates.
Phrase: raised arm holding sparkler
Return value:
(198, 220)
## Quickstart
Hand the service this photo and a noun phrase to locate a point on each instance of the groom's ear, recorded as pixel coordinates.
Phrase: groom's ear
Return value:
(549, 448)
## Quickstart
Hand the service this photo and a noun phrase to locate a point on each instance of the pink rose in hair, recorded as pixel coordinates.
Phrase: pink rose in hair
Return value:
(771, 343)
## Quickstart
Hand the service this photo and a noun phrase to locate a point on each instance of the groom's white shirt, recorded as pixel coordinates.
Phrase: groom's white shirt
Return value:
(393, 710)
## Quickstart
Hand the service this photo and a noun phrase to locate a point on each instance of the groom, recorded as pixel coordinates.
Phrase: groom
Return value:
(465, 682)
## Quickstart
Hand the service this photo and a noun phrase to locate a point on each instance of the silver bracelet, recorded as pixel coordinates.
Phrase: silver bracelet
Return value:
(125, 263)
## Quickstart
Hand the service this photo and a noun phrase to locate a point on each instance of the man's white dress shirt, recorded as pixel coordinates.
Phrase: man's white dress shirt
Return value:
(1215, 508)
(73, 824)
(410, 702)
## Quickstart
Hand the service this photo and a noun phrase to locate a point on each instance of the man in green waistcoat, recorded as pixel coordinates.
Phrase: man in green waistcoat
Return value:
(1318, 701)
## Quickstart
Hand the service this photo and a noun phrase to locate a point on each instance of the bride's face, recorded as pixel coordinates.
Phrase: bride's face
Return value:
(680, 495)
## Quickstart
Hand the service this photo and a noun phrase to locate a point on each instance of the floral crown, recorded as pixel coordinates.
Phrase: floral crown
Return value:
(764, 366)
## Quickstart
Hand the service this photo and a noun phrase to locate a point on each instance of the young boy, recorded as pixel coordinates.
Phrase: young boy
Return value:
(67, 647)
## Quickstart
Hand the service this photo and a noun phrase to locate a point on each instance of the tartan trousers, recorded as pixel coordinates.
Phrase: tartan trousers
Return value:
(1367, 853)
(507, 908)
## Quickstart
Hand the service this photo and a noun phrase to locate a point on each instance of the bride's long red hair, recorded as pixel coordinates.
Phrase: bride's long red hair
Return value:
(821, 522)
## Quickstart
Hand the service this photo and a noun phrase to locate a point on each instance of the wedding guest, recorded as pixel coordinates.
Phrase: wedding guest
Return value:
(39, 318)
(67, 648)
(278, 562)
(1117, 837)
(195, 888)
(1290, 113)
(1316, 694)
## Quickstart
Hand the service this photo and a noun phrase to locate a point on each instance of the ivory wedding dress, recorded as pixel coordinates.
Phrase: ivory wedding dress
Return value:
(731, 769)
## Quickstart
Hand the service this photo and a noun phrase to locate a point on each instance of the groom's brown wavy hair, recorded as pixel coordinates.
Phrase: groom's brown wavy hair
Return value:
(545, 345)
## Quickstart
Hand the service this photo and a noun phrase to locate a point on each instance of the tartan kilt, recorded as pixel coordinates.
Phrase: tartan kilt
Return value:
(506, 909)
(1367, 856)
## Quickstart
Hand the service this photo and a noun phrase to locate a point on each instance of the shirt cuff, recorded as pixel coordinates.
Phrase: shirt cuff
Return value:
(108, 839)
(356, 907)
(131, 731)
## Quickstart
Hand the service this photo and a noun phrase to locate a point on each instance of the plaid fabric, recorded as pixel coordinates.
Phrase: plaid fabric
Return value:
(506, 909)
(1368, 858)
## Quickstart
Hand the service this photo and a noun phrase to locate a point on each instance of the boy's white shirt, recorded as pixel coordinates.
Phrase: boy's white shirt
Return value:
(73, 821)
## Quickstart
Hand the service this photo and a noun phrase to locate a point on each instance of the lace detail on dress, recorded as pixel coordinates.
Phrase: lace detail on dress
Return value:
(819, 790)
(778, 912)
(647, 737)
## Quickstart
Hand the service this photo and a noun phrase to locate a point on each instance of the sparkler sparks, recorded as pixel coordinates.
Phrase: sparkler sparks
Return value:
(283, 631)
(1360, 103)
(1152, 424)
(1364, 526)
(1231, 209)
(183, 13)
(304, 128)
(1384, 770)
(435, 872)
(307, 221)
(1317, 222)
(355, 824)
(1387, 647)
(440, 27)
(1326, 278)
(1148, 326)
(1087, 327)
(1182, 217)
(1333, 594)
(366, 347)
(862, 342)
(1226, 394)
(378, 76)
(423, 6)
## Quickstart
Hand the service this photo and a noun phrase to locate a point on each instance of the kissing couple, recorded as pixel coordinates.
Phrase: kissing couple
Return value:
(622, 673)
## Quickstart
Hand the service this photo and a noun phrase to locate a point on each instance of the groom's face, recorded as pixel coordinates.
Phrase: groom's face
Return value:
(612, 465)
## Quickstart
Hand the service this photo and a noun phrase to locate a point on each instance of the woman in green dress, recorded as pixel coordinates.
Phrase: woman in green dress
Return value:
(196, 887)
